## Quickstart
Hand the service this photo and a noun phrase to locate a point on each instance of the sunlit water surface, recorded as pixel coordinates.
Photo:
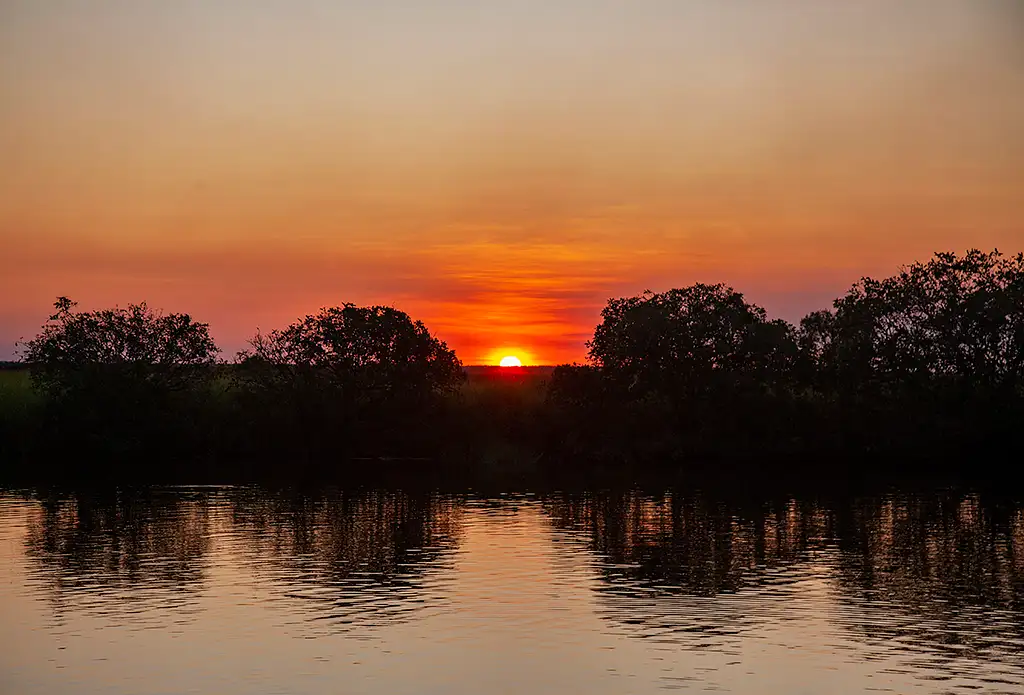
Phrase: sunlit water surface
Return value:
(244, 590)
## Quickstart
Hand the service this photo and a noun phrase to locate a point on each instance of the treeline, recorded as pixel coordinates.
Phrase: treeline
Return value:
(129, 382)
(926, 362)
(929, 361)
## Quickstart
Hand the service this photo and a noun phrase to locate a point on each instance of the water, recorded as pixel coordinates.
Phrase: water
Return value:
(245, 590)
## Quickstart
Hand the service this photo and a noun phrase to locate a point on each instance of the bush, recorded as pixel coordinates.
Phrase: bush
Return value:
(687, 370)
(120, 377)
(929, 357)
(118, 349)
(355, 379)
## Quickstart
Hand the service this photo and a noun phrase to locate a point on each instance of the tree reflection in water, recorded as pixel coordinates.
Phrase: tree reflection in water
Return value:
(939, 577)
(674, 544)
(358, 560)
(101, 553)
(675, 567)
(943, 572)
(918, 569)
(349, 559)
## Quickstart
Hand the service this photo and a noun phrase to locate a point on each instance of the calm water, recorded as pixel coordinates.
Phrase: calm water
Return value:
(244, 590)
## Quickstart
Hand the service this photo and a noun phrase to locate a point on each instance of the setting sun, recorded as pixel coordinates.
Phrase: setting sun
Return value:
(510, 356)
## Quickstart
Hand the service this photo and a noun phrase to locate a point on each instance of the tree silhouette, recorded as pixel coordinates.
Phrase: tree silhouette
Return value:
(370, 372)
(930, 357)
(684, 370)
(120, 381)
(121, 348)
(952, 320)
(692, 341)
(928, 361)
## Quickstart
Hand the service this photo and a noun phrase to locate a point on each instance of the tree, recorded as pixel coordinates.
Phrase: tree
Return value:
(120, 384)
(117, 351)
(361, 350)
(691, 342)
(951, 322)
(686, 371)
(372, 372)
(930, 358)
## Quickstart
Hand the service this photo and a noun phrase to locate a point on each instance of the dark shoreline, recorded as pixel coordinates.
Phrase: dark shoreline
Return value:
(501, 430)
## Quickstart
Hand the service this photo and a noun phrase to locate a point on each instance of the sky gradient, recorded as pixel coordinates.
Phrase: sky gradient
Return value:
(498, 169)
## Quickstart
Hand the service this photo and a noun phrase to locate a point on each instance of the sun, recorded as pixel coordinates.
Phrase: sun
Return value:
(509, 355)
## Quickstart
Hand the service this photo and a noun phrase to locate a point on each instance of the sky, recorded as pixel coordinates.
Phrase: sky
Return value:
(498, 169)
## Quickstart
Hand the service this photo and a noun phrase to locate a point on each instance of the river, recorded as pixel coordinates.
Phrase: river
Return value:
(253, 590)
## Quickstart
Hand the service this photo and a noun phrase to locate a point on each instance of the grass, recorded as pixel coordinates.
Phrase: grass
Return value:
(492, 420)
(499, 391)
(505, 387)
(16, 392)
(19, 408)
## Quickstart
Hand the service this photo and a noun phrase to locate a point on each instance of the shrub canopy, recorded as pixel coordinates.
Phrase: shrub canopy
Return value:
(360, 350)
(117, 348)
(950, 321)
(691, 341)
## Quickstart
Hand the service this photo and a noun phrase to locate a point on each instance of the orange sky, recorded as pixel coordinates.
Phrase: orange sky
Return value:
(497, 169)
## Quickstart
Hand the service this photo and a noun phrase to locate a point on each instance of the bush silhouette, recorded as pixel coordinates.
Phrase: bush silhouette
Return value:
(692, 342)
(689, 369)
(115, 377)
(928, 362)
(355, 379)
(950, 321)
(121, 348)
(932, 354)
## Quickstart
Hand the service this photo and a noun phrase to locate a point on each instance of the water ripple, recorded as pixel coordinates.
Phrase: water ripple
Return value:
(254, 590)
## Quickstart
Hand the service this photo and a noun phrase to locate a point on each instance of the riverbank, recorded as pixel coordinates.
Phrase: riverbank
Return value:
(502, 427)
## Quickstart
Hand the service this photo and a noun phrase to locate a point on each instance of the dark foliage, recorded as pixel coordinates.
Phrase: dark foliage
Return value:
(933, 354)
(951, 322)
(349, 380)
(694, 369)
(908, 370)
(692, 342)
(924, 361)
(118, 380)
(127, 348)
